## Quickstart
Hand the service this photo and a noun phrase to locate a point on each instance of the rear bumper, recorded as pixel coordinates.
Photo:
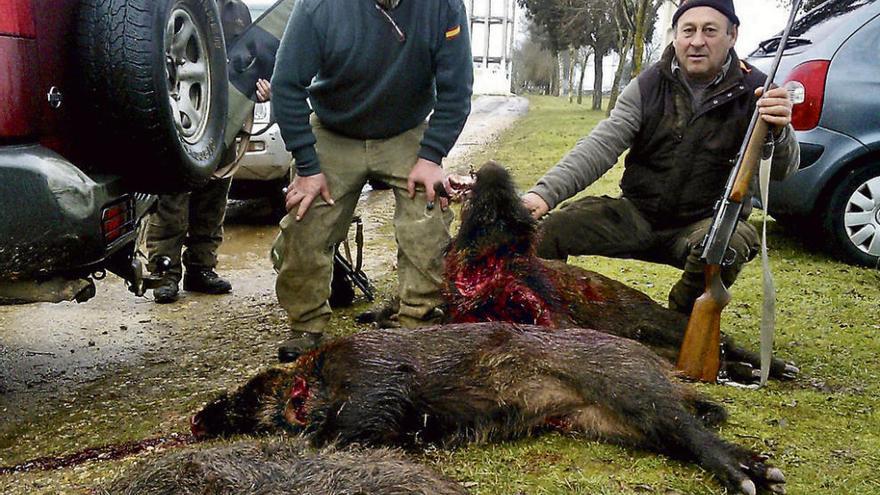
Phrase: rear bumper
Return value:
(51, 221)
(266, 159)
(823, 154)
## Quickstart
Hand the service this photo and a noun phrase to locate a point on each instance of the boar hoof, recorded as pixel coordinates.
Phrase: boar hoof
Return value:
(790, 372)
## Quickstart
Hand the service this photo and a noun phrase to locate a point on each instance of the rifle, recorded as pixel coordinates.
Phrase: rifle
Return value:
(700, 354)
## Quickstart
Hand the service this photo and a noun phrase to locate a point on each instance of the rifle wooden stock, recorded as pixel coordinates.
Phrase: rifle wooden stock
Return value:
(700, 354)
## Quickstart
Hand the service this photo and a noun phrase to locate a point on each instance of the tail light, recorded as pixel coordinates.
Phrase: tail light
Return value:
(16, 19)
(117, 219)
(806, 84)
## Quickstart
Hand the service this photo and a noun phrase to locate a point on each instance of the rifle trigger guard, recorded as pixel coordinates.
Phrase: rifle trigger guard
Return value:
(729, 257)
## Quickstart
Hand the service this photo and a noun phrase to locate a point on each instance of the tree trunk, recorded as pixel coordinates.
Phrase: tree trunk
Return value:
(597, 83)
(581, 80)
(554, 83)
(572, 56)
(639, 37)
(623, 49)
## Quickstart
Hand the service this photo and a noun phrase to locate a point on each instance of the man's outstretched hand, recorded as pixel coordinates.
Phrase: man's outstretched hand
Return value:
(535, 204)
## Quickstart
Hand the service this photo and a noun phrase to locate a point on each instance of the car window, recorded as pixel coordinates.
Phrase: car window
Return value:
(818, 23)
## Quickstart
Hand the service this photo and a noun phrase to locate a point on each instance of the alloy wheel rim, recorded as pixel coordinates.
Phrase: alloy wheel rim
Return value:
(188, 75)
(862, 217)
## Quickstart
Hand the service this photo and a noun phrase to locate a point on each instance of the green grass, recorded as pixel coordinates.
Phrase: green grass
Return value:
(820, 429)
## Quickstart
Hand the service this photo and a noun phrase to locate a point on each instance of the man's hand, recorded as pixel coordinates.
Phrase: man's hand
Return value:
(535, 204)
(303, 191)
(775, 108)
(264, 90)
(428, 173)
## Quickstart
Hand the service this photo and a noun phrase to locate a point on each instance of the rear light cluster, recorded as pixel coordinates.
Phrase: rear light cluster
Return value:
(806, 85)
(16, 19)
(117, 219)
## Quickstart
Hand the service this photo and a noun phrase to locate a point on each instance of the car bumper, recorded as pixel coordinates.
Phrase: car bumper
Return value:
(266, 159)
(823, 153)
(57, 221)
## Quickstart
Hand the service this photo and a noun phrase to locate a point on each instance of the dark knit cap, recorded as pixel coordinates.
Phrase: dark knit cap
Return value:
(723, 6)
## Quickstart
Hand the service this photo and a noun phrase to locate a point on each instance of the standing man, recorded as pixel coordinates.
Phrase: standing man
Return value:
(373, 70)
(683, 120)
(192, 222)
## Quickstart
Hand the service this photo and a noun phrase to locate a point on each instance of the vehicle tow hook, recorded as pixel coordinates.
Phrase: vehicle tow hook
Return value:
(141, 282)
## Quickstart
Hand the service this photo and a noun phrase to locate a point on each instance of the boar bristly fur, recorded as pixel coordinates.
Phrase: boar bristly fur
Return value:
(281, 467)
(493, 274)
(482, 382)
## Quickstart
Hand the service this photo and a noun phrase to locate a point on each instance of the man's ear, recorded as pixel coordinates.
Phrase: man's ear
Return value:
(734, 32)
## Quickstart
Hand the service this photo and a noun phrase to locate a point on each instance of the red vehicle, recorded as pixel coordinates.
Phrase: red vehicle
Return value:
(101, 108)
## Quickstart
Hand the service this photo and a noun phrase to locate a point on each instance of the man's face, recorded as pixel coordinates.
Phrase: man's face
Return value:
(702, 42)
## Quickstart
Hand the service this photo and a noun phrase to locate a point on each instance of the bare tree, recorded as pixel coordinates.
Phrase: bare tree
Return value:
(590, 24)
(548, 15)
(534, 67)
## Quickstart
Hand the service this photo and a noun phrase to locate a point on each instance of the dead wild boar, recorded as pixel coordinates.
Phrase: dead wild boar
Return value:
(281, 467)
(482, 382)
(493, 274)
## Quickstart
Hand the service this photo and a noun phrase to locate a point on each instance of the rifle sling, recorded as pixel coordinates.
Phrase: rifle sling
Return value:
(768, 315)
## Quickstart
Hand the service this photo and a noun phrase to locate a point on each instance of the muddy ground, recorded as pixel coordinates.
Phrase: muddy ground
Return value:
(120, 368)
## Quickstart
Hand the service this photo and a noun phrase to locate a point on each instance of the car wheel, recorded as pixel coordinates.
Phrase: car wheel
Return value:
(155, 80)
(853, 216)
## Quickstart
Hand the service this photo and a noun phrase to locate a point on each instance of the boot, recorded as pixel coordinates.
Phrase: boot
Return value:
(166, 293)
(205, 281)
(300, 342)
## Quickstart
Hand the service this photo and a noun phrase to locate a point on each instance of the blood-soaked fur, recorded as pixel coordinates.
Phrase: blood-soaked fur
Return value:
(486, 382)
(493, 274)
(281, 467)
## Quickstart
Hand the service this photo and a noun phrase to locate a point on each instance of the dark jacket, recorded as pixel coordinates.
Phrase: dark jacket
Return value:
(681, 153)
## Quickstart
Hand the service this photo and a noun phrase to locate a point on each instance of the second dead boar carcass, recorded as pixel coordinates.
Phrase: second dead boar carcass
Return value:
(482, 382)
(493, 274)
(280, 466)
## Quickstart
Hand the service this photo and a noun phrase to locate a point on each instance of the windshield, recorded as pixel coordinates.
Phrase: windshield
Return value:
(258, 7)
(818, 23)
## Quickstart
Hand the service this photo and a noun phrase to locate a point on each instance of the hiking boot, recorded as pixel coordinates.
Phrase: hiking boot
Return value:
(206, 282)
(299, 343)
(166, 293)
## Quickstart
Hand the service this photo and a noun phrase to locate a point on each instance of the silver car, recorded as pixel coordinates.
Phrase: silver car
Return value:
(832, 67)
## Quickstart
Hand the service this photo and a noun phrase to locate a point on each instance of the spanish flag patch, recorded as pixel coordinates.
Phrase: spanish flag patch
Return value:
(452, 33)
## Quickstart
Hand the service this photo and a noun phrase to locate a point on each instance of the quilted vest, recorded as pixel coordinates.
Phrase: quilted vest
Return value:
(681, 158)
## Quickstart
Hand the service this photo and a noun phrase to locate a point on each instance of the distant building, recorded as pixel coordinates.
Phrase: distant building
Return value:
(492, 36)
